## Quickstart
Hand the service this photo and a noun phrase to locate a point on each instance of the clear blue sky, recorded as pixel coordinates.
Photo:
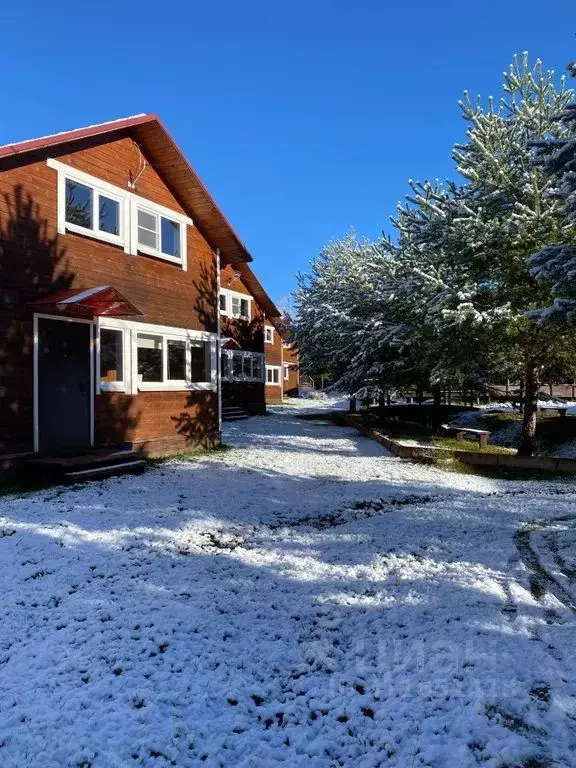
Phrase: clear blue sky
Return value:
(304, 118)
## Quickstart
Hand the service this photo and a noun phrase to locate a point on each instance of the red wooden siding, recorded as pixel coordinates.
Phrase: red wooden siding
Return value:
(35, 261)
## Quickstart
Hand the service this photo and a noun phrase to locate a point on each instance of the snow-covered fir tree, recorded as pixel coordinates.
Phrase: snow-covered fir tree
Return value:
(450, 297)
(556, 262)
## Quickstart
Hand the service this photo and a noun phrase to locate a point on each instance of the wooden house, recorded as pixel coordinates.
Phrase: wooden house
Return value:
(251, 347)
(111, 250)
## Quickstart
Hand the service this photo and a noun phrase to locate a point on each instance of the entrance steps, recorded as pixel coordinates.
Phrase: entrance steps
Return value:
(233, 413)
(89, 465)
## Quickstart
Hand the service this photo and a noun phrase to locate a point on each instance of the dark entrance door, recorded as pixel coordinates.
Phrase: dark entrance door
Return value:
(63, 384)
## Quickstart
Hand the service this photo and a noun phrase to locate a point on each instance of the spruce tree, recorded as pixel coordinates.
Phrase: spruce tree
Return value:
(556, 262)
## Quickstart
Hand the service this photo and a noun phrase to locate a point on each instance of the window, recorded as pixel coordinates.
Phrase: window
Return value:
(234, 304)
(268, 334)
(108, 215)
(272, 374)
(237, 367)
(136, 356)
(198, 361)
(240, 308)
(95, 208)
(257, 367)
(150, 358)
(158, 235)
(224, 365)
(176, 360)
(111, 359)
(87, 210)
(162, 360)
(78, 204)
(286, 372)
(241, 366)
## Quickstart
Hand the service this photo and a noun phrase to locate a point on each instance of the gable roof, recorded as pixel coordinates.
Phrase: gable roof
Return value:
(167, 158)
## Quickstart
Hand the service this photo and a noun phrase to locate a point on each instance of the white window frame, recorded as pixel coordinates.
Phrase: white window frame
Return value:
(269, 330)
(286, 371)
(112, 386)
(273, 369)
(229, 295)
(229, 353)
(224, 296)
(98, 188)
(131, 385)
(159, 212)
(128, 215)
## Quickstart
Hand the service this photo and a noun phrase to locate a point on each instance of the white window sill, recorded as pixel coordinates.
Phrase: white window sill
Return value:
(159, 255)
(95, 234)
(174, 386)
(272, 384)
(112, 386)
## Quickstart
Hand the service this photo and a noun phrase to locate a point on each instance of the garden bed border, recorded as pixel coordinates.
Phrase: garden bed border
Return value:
(478, 458)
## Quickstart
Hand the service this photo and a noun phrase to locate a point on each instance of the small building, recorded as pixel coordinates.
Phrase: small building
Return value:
(247, 315)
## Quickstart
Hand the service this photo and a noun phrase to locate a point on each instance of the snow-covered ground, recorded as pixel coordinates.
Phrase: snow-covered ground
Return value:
(308, 405)
(303, 599)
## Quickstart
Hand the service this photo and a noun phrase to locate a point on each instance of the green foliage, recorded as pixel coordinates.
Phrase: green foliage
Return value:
(450, 297)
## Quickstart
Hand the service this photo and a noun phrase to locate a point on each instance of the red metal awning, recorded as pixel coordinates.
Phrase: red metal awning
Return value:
(102, 301)
(227, 343)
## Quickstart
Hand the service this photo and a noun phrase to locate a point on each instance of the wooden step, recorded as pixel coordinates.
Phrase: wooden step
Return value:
(86, 460)
(106, 470)
(87, 464)
(232, 413)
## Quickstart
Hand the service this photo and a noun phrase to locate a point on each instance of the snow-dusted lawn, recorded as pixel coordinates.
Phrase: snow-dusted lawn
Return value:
(301, 600)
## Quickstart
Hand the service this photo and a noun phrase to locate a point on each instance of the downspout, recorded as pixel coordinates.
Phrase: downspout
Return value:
(218, 342)
(281, 368)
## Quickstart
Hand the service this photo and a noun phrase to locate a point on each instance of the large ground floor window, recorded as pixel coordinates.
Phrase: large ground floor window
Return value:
(133, 357)
(272, 375)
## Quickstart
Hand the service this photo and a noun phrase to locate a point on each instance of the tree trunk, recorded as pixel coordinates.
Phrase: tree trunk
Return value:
(531, 389)
(437, 413)
(551, 389)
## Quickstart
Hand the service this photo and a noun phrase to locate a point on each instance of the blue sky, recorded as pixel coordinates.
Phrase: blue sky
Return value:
(304, 118)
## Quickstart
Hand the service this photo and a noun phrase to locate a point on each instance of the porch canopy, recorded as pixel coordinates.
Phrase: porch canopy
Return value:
(228, 343)
(101, 301)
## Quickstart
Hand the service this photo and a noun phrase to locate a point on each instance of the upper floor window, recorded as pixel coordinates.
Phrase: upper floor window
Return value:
(158, 235)
(95, 208)
(269, 334)
(89, 211)
(240, 308)
(234, 304)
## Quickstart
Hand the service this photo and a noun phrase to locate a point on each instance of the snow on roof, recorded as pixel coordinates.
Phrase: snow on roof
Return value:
(105, 124)
(176, 170)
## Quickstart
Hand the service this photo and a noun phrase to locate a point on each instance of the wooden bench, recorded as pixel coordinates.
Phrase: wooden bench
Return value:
(481, 435)
(560, 409)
